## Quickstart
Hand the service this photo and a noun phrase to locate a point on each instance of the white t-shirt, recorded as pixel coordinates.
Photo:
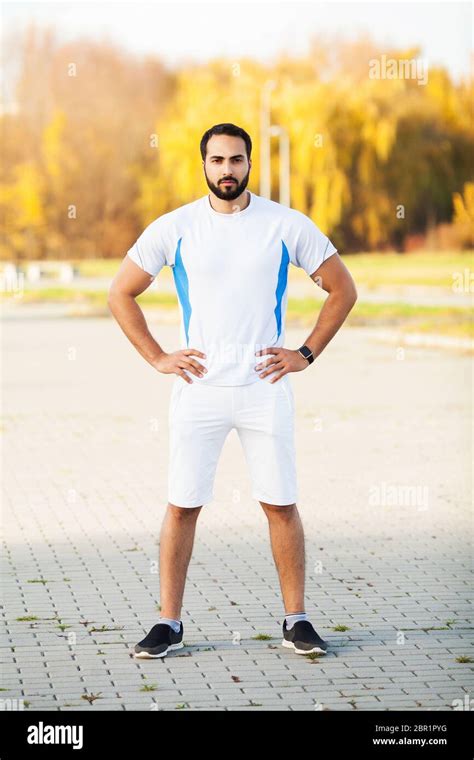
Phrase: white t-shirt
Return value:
(230, 273)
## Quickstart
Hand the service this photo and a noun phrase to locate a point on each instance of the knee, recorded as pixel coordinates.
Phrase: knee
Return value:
(183, 513)
(284, 512)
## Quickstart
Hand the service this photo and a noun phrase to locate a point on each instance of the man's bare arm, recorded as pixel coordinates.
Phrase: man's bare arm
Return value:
(334, 277)
(127, 284)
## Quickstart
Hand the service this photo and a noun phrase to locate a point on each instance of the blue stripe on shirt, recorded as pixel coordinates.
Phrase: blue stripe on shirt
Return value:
(182, 288)
(282, 283)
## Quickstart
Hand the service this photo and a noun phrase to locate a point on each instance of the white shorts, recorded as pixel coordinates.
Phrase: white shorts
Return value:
(200, 418)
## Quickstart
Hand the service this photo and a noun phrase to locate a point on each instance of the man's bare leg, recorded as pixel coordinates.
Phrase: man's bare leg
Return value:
(287, 541)
(176, 545)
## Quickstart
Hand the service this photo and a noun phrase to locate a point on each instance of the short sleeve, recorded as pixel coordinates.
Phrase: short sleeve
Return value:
(313, 247)
(150, 249)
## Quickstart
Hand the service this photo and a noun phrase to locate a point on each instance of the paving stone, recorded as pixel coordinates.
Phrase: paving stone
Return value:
(94, 490)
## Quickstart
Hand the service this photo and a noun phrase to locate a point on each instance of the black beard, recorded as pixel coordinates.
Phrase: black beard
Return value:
(228, 193)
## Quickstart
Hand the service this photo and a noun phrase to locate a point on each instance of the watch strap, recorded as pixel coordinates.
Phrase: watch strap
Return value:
(306, 352)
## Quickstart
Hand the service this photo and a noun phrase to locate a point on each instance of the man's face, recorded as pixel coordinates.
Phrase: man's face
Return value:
(226, 159)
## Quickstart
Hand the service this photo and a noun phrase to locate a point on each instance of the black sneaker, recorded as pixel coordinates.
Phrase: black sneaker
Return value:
(159, 641)
(303, 638)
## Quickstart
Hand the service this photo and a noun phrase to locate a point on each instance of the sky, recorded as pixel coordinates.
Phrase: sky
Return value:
(185, 31)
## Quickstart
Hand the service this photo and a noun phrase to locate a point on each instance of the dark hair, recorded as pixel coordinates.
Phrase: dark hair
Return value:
(225, 129)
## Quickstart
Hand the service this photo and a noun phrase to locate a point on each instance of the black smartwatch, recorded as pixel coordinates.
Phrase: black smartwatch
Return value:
(306, 353)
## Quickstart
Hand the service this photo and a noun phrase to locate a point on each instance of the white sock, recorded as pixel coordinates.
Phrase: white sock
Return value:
(175, 624)
(292, 619)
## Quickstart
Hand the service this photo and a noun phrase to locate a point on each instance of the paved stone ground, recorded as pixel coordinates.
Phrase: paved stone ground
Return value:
(85, 464)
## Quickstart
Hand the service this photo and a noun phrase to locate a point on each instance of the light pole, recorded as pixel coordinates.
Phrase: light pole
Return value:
(265, 155)
(284, 158)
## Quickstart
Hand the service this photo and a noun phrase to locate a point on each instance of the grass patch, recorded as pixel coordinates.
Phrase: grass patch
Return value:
(97, 267)
(423, 269)
(446, 320)
(373, 270)
(91, 697)
(369, 269)
(98, 298)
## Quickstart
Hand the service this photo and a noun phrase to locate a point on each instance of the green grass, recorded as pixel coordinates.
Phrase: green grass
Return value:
(96, 267)
(97, 298)
(369, 269)
(454, 321)
(445, 320)
(425, 269)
